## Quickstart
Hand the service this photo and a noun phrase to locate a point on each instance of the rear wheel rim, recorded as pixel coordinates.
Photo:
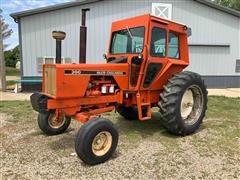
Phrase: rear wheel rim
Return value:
(101, 144)
(54, 122)
(191, 105)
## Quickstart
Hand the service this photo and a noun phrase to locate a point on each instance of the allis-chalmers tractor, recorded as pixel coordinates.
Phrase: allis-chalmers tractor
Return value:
(143, 69)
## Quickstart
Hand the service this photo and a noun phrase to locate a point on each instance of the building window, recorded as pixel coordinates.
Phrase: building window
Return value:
(50, 60)
(173, 45)
(237, 70)
(39, 64)
(158, 42)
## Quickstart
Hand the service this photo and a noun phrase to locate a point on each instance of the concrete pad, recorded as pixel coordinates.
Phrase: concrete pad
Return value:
(10, 78)
(230, 92)
(11, 96)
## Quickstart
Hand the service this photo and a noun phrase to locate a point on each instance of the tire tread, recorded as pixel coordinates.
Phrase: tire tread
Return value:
(169, 97)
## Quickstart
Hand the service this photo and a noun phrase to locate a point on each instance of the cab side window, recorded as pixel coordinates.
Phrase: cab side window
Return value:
(173, 45)
(158, 42)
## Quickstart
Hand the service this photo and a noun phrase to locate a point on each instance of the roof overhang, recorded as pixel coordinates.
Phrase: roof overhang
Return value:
(18, 15)
(219, 7)
(30, 12)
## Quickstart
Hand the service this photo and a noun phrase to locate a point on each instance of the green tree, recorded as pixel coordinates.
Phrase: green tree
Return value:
(6, 32)
(12, 56)
(234, 4)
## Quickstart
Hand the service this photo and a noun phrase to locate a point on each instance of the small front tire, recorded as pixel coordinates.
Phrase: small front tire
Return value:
(96, 141)
(48, 123)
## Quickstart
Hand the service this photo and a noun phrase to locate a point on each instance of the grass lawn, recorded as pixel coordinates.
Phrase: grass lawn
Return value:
(10, 83)
(12, 71)
(145, 148)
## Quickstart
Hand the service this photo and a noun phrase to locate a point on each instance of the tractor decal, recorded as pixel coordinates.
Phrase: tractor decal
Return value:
(83, 72)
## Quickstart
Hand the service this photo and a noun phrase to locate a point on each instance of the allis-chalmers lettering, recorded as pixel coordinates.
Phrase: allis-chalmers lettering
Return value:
(79, 72)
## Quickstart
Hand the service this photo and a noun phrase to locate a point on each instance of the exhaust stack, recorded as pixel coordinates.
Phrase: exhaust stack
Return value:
(83, 38)
(59, 36)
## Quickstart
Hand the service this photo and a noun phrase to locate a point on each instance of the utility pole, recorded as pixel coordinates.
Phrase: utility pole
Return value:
(2, 61)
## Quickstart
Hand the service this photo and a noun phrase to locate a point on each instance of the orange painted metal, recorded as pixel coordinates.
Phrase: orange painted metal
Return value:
(83, 117)
(75, 85)
(73, 81)
(74, 102)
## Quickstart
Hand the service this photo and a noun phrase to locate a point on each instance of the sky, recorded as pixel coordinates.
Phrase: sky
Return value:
(12, 6)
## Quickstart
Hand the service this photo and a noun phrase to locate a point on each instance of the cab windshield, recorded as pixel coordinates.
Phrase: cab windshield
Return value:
(127, 41)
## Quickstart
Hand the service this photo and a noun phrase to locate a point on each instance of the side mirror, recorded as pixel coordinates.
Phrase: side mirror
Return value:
(189, 31)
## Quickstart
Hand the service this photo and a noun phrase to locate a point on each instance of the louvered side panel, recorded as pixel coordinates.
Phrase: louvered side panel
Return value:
(50, 80)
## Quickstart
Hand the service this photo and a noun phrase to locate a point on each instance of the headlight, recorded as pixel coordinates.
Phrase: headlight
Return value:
(104, 89)
(111, 89)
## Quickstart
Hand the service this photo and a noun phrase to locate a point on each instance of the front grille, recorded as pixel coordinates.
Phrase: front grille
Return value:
(50, 80)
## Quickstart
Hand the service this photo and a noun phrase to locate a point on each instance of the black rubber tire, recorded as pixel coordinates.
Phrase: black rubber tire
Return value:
(47, 129)
(130, 113)
(170, 103)
(86, 135)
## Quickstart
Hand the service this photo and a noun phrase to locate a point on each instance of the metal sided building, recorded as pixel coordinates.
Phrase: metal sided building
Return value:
(214, 45)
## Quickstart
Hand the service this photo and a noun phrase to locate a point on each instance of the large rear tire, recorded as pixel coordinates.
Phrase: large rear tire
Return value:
(96, 141)
(183, 103)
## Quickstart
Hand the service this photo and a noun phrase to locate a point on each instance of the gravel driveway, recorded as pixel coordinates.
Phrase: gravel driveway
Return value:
(145, 150)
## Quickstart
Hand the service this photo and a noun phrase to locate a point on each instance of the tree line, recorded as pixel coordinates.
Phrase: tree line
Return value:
(234, 4)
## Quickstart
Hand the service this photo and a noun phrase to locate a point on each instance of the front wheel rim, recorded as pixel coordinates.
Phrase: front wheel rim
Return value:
(191, 104)
(102, 143)
(55, 122)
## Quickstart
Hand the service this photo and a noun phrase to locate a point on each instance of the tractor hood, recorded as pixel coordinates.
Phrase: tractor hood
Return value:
(71, 80)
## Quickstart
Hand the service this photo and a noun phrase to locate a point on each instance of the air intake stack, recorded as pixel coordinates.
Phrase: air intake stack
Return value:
(59, 36)
(83, 38)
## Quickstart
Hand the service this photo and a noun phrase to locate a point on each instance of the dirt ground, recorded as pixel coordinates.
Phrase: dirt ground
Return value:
(11, 96)
(145, 149)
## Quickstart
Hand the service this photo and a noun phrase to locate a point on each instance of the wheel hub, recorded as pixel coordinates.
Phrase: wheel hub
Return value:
(56, 122)
(191, 104)
(101, 143)
(187, 104)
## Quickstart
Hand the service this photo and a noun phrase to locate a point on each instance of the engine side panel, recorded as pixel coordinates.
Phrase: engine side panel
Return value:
(72, 79)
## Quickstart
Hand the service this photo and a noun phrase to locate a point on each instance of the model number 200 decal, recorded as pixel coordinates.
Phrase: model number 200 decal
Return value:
(84, 72)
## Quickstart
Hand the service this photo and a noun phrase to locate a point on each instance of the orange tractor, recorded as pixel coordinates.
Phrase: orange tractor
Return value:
(143, 69)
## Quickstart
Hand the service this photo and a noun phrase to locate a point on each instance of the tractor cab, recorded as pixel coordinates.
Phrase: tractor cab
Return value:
(147, 43)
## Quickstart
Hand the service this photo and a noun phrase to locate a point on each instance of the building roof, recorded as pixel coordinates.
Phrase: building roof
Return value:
(18, 15)
(219, 7)
(30, 12)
